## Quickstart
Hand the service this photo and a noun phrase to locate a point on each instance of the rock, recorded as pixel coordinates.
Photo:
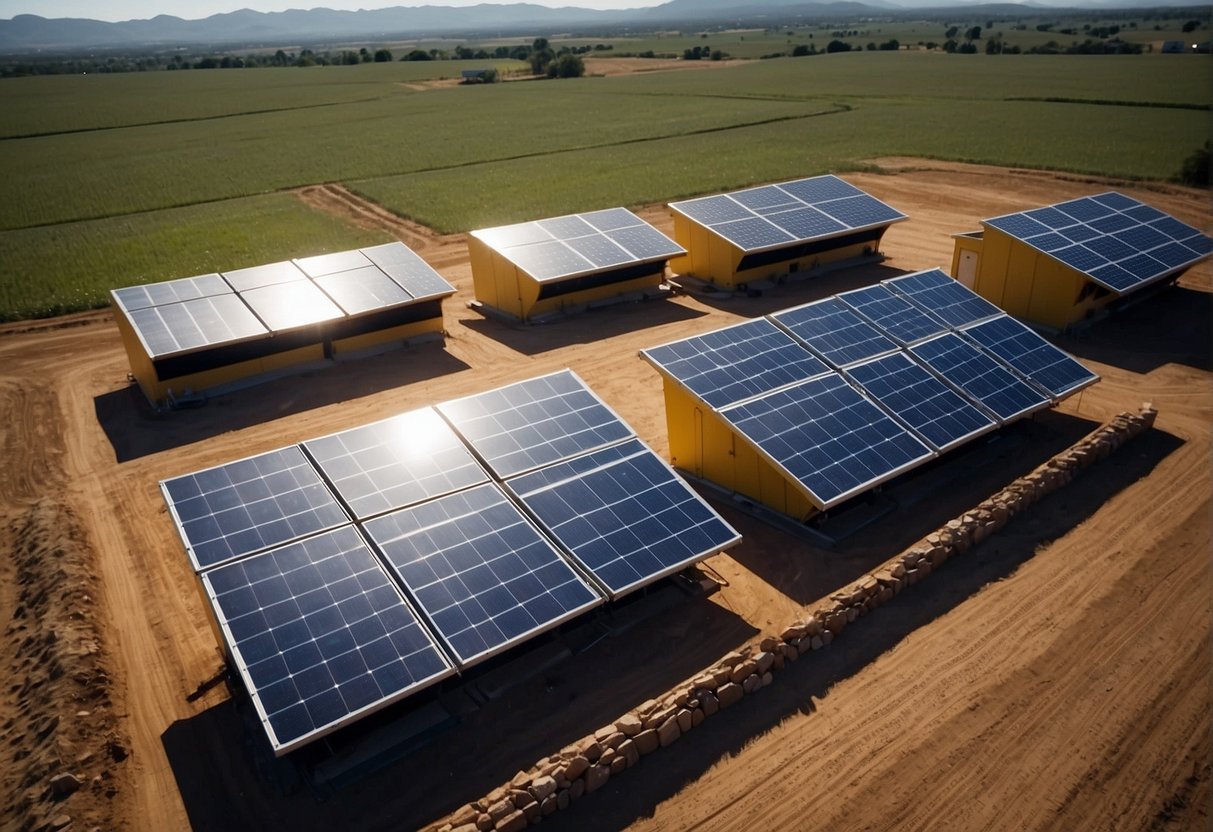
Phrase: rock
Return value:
(684, 720)
(531, 812)
(729, 694)
(602, 733)
(647, 741)
(485, 823)
(722, 677)
(522, 798)
(608, 757)
(835, 622)
(596, 778)
(751, 683)
(549, 805)
(562, 799)
(816, 642)
(615, 739)
(734, 658)
(590, 749)
(764, 661)
(852, 614)
(500, 809)
(521, 780)
(655, 719)
(618, 765)
(793, 631)
(630, 752)
(515, 822)
(629, 725)
(64, 784)
(767, 678)
(60, 821)
(467, 827)
(576, 767)
(812, 626)
(767, 645)
(697, 717)
(577, 789)
(743, 670)
(668, 732)
(543, 787)
(464, 816)
(826, 638)
(709, 703)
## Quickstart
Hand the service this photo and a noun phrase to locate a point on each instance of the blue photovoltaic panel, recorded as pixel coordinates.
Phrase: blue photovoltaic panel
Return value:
(736, 363)
(981, 376)
(624, 515)
(394, 463)
(534, 422)
(171, 291)
(320, 635)
(548, 261)
(835, 331)
(1200, 245)
(945, 298)
(600, 251)
(194, 324)
(243, 507)
(1032, 356)
(566, 228)
(1115, 240)
(893, 314)
(922, 401)
(480, 571)
(645, 242)
(405, 266)
(610, 219)
(828, 437)
(802, 210)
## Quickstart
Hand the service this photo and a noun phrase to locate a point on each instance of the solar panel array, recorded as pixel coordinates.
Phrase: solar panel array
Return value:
(181, 316)
(774, 216)
(848, 392)
(351, 570)
(563, 247)
(1120, 243)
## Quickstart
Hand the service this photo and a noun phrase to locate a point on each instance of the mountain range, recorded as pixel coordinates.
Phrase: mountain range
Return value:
(29, 33)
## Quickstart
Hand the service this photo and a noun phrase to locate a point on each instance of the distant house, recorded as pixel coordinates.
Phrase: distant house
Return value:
(1173, 47)
(475, 76)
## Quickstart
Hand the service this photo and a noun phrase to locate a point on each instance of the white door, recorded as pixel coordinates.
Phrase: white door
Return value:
(966, 271)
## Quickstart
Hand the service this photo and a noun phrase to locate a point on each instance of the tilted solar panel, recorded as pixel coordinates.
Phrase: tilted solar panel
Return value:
(893, 315)
(624, 515)
(171, 291)
(195, 324)
(835, 331)
(943, 297)
(981, 376)
(1032, 356)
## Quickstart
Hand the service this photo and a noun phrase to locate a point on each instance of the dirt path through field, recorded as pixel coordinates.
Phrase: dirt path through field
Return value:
(1058, 678)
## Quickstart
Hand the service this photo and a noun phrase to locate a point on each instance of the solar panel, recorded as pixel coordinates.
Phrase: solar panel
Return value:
(534, 422)
(893, 314)
(922, 401)
(480, 571)
(645, 242)
(600, 250)
(835, 331)
(171, 291)
(284, 306)
(243, 507)
(1032, 356)
(268, 275)
(394, 463)
(341, 261)
(828, 437)
(363, 290)
(736, 363)
(194, 324)
(320, 635)
(624, 514)
(610, 219)
(1118, 242)
(405, 266)
(772, 216)
(948, 300)
(981, 376)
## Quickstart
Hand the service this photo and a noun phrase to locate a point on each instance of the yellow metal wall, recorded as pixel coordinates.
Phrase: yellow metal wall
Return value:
(705, 446)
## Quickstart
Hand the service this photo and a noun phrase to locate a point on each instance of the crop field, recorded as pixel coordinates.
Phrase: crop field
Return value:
(123, 179)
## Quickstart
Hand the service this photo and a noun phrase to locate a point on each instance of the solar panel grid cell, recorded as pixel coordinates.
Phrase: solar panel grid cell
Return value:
(859, 211)
(752, 233)
(644, 242)
(819, 189)
(893, 315)
(805, 223)
(835, 331)
(363, 290)
(1031, 355)
(1083, 209)
(193, 324)
(980, 375)
(943, 297)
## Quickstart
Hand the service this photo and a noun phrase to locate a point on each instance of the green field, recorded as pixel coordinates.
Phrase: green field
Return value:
(120, 179)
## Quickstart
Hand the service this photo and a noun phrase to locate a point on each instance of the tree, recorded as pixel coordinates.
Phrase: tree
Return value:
(1190, 26)
(967, 48)
(417, 55)
(949, 45)
(838, 46)
(1195, 169)
(973, 33)
(383, 56)
(952, 32)
(800, 50)
(567, 65)
(540, 59)
(540, 44)
(890, 45)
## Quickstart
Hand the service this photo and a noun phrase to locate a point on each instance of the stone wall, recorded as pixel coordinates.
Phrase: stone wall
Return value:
(556, 782)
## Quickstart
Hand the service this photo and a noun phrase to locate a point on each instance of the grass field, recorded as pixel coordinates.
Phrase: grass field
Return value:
(121, 179)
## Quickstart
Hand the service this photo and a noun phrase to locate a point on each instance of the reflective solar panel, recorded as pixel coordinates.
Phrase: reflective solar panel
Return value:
(405, 266)
(271, 273)
(547, 261)
(600, 250)
(480, 571)
(172, 291)
(735, 363)
(341, 261)
(1115, 240)
(396, 462)
(363, 290)
(566, 228)
(244, 507)
(828, 437)
(770, 216)
(193, 324)
(612, 218)
(645, 242)
(1032, 356)
(624, 515)
(893, 314)
(981, 376)
(835, 331)
(922, 401)
(534, 422)
(948, 300)
(284, 306)
(320, 635)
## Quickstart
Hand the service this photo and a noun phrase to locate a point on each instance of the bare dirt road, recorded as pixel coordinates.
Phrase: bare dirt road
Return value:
(1057, 678)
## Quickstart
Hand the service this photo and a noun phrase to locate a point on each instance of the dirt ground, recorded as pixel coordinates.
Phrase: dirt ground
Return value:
(1057, 678)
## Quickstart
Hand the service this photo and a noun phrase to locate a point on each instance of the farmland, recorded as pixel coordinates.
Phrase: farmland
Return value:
(102, 158)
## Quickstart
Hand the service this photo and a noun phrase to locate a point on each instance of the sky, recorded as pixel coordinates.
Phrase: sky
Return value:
(197, 9)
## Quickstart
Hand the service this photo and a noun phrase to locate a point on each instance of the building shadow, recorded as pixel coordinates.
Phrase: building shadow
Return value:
(135, 429)
(608, 321)
(872, 528)
(1172, 326)
(789, 291)
(229, 780)
(633, 795)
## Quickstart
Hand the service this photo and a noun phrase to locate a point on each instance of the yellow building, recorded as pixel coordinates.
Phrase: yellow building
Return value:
(200, 335)
(735, 239)
(1067, 262)
(565, 264)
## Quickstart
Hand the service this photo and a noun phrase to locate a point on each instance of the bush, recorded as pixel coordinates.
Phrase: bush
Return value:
(838, 46)
(1195, 169)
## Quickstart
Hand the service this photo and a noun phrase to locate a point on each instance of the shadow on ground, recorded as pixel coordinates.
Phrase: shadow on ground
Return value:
(634, 795)
(134, 429)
